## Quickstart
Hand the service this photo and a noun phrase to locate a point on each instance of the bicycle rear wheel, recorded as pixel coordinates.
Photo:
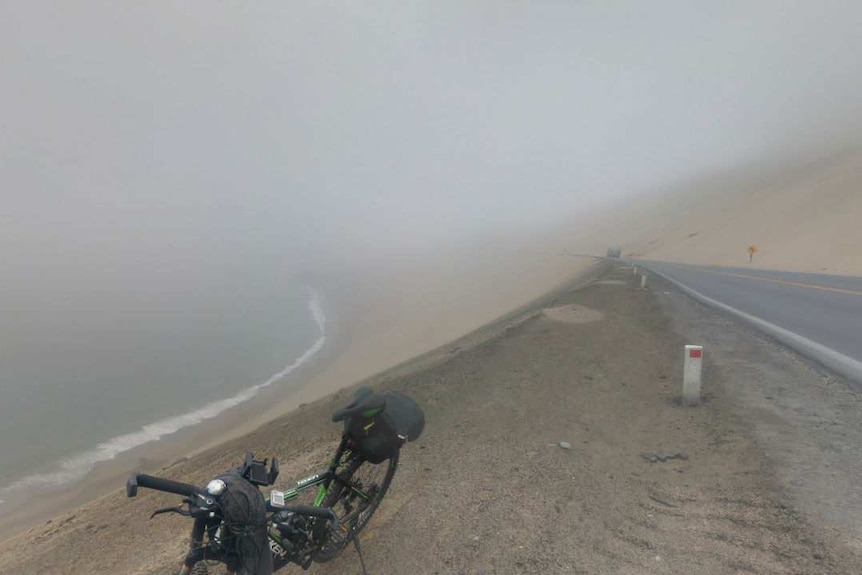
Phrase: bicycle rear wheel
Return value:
(354, 495)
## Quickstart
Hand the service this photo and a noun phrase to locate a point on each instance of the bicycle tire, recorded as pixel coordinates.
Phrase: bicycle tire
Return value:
(342, 498)
(200, 568)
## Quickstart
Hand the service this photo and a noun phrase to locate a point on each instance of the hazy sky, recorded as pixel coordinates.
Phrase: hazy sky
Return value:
(175, 141)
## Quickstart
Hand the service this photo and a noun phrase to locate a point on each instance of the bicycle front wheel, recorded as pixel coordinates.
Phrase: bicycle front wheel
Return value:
(354, 495)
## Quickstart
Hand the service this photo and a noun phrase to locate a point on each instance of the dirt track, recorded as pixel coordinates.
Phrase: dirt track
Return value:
(487, 489)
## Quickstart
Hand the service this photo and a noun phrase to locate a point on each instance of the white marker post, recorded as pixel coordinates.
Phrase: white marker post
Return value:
(691, 371)
(635, 270)
(643, 281)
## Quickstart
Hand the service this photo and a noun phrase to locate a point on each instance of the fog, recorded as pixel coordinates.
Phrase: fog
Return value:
(161, 146)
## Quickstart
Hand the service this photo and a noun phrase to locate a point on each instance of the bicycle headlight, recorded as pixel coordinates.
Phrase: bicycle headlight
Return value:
(216, 487)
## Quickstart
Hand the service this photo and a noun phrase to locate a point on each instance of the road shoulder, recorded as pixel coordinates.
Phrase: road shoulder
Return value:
(804, 419)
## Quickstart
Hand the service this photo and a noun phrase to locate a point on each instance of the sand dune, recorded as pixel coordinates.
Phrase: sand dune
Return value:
(805, 218)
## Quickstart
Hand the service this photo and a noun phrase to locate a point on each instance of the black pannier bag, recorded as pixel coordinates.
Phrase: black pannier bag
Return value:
(244, 527)
(378, 437)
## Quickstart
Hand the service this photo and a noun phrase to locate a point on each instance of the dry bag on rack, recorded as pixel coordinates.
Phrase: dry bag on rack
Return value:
(244, 527)
(379, 434)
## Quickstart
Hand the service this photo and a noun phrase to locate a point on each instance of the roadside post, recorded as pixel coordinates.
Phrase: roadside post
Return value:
(643, 281)
(691, 374)
(635, 270)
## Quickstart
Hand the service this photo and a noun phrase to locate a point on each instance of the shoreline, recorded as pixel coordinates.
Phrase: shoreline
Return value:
(34, 504)
(319, 379)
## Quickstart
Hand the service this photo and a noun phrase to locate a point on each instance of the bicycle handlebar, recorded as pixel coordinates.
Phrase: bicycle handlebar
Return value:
(150, 482)
(142, 480)
(160, 484)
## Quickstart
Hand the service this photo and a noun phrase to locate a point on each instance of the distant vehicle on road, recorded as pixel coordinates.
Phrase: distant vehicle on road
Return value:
(614, 252)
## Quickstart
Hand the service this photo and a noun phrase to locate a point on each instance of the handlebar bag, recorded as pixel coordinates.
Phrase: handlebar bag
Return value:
(244, 527)
(379, 435)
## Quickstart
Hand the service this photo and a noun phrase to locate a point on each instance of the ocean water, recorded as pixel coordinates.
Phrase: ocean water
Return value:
(83, 389)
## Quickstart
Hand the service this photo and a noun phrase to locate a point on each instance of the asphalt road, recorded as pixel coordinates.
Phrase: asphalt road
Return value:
(823, 309)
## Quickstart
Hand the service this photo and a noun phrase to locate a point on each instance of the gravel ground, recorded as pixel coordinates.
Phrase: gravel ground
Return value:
(645, 485)
(805, 420)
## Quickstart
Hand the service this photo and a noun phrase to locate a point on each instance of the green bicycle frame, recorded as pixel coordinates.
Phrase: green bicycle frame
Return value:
(323, 480)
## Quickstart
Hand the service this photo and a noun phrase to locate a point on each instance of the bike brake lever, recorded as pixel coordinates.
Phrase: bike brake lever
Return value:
(177, 510)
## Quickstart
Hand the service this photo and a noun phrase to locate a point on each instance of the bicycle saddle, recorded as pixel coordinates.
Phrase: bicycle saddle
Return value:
(364, 399)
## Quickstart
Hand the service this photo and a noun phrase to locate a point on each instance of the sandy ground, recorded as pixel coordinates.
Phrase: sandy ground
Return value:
(487, 489)
(801, 218)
